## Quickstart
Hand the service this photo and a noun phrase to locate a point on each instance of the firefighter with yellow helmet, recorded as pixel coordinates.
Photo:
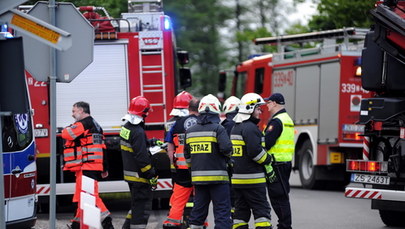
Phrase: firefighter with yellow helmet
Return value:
(208, 150)
(252, 166)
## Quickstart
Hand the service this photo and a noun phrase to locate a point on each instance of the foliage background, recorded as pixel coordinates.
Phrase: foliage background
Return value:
(218, 33)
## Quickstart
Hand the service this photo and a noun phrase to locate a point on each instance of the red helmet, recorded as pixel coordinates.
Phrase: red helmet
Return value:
(182, 100)
(139, 106)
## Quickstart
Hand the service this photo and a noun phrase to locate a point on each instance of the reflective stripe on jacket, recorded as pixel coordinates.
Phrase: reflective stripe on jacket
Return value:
(84, 145)
(283, 149)
(208, 146)
(135, 156)
(248, 155)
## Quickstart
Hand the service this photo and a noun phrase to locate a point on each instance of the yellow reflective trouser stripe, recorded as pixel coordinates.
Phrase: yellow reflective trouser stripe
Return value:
(237, 225)
(248, 181)
(210, 178)
(189, 204)
(146, 168)
(136, 179)
(126, 148)
(238, 142)
(262, 224)
(201, 139)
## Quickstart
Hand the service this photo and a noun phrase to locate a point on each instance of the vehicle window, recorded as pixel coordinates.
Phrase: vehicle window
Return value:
(17, 132)
(259, 78)
(240, 85)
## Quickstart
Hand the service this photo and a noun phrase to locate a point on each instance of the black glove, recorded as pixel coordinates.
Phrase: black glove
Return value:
(154, 142)
(270, 174)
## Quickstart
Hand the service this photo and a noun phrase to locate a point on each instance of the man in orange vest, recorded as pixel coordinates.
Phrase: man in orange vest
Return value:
(84, 155)
(182, 187)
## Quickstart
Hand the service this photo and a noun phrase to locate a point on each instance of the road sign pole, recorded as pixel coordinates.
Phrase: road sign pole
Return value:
(52, 83)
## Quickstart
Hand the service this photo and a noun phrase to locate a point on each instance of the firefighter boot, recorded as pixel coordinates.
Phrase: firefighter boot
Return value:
(107, 223)
(74, 225)
(171, 226)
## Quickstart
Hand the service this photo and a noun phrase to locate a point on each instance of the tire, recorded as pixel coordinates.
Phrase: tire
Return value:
(306, 167)
(392, 218)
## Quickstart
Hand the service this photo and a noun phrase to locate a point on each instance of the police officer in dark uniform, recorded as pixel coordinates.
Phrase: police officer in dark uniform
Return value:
(250, 160)
(208, 149)
(279, 139)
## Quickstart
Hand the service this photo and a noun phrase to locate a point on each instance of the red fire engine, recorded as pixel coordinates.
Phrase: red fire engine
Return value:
(379, 175)
(134, 55)
(322, 92)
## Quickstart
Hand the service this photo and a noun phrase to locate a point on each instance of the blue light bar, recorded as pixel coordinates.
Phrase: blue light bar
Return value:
(167, 23)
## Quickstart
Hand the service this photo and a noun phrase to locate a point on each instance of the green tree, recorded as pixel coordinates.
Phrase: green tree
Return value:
(334, 14)
(197, 24)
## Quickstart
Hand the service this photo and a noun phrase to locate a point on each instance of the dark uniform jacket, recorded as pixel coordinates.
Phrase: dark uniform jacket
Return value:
(208, 149)
(248, 155)
(135, 155)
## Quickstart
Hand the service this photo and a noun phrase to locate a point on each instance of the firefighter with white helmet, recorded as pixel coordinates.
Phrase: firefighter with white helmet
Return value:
(138, 170)
(230, 108)
(208, 149)
(252, 166)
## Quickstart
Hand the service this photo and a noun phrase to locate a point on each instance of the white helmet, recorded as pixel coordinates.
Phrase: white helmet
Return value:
(209, 104)
(231, 105)
(249, 102)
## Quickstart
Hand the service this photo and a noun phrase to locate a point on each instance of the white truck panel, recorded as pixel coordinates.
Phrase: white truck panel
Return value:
(103, 84)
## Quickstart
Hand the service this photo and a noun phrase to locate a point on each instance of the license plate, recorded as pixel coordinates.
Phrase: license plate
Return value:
(370, 179)
(41, 133)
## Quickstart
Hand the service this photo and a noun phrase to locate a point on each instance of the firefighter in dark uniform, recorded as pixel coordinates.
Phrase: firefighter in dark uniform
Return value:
(208, 150)
(230, 109)
(250, 165)
(279, 139)
(182, 187)
(84, 154)
(138, 171)
(180, 109)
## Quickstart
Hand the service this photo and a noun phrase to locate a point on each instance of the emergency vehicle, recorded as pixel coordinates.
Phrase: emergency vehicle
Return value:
(379, 175)
(133, 55)
(322, 91)
(18, 146)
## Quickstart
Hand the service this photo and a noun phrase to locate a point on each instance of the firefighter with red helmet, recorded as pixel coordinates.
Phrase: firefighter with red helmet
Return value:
(250, 160)
(180, 108)
(84, 155)
(182, 187)
(138, 171)
(208, 150)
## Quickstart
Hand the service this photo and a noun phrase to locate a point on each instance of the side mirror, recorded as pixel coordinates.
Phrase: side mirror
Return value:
(185, 77)
(182, 57)
(222, 82)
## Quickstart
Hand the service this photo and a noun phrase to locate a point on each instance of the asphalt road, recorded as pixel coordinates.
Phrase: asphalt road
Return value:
(311, 209)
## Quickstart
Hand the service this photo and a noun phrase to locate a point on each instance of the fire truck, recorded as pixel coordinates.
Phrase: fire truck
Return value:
(133, 55)
(380, 174)
(322, 89)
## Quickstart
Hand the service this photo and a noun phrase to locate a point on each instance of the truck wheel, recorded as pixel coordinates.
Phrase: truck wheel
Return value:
(392, 218)
(306, 166)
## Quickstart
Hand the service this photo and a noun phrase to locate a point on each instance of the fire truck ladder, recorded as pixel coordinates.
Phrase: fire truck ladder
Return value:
(152, 80)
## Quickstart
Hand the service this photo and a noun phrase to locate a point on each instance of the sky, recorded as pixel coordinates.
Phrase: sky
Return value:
(303, 12)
